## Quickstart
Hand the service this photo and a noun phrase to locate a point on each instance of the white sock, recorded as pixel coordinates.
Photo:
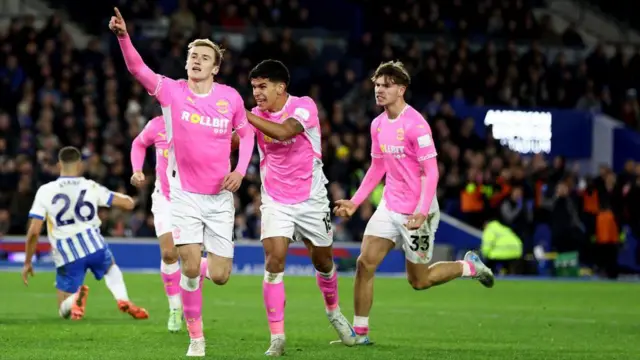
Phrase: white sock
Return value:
(189, 284)
(361, 322)
(169, 268)
(65, 306)
(115, 283)
(466, 269)
(328, 275)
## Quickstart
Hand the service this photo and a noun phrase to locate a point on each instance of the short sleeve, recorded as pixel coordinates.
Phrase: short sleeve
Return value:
(38, 208)
(421, 141)
(376, 152)
(305, 112)
(105, 196)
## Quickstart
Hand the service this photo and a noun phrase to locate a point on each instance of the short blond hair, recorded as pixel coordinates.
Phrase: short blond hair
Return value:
(395, 71)
(210, 44)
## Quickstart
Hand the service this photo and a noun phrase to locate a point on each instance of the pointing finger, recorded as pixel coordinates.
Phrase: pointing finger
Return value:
(118, 15)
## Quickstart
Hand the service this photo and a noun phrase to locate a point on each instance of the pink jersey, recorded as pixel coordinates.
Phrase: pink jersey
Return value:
(153, 134)
(291, 170)
(199, 129)
(403, 143)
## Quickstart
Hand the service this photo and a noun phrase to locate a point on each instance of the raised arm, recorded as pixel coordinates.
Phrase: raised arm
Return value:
(135, 65)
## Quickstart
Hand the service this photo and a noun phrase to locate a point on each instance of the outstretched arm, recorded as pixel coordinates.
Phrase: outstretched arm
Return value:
(281, 132)
(376, 171)
(371, 179)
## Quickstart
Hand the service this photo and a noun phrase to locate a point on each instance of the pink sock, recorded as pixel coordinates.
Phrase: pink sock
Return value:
(361, 330)
(274, 302)
(329, 288)
(192, 305)
(171, 283)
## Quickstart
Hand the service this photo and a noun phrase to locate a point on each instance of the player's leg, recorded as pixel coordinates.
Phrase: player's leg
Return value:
(219, 218)
(72, 295)
(313, 223)
(418, 248)
(103, 266)
(170, 271)
(169, 266)
(188, 230)
(277, 232)
(379, 238)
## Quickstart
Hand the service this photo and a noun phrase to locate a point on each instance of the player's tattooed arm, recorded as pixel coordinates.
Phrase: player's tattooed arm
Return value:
(281, 132)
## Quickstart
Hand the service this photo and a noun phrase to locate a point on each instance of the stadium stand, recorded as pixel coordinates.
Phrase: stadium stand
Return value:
(492, 53)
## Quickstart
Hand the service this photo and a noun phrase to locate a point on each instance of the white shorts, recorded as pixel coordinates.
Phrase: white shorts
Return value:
(161, 210)
(309, 220)
(417, 244)
(203, 219)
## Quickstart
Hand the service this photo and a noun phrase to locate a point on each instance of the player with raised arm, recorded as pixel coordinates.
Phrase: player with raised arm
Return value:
(403, 149)
(199, 117)
(69, 205)
(294, 197)
(154, 134)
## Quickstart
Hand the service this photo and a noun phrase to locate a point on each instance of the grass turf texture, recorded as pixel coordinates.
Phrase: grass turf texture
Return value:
(459, 320)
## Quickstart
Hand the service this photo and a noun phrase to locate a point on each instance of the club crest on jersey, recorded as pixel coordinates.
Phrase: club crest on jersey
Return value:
(223, 106)
(219, 125)
(163, 153)
(396, 151)
(400, 134)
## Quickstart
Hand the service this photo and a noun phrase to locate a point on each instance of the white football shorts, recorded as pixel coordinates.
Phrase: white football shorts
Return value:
(203, 219)
(161, 210)
(310, 219)
(417, 244)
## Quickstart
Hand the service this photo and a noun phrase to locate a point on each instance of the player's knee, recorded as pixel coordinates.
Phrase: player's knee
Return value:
(365, 265)
(274, 263)
(191, 269)
(170, 256)
(323, 262)
(220, 277)
(420, 284)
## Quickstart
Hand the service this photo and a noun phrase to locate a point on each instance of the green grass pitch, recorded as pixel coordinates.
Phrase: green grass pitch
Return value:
(460, 320)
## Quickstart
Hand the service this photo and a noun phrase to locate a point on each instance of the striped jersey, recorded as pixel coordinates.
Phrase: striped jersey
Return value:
(69, 205)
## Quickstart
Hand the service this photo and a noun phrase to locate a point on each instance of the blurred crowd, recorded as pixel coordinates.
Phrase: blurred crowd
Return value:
(53, 94)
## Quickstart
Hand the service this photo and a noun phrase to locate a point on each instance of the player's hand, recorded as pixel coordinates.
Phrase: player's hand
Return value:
(137, 179)
(232, 181)
(344, 208)
(27, 270)
(415, 221)
(117, 24)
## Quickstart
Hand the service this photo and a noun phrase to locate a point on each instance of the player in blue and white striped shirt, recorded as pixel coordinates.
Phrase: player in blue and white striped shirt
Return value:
(69, 206)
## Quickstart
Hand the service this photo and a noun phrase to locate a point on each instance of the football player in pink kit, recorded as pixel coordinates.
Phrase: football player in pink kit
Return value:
(294, 197)
(199, 117)
(403, 149)
(154, 134)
